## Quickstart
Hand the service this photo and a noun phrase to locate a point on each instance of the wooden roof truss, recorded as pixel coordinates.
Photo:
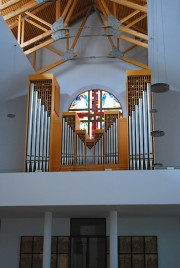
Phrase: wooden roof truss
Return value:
(37, 26)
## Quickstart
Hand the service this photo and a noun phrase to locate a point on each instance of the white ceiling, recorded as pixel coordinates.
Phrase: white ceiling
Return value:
(14, 65)
(91, 211)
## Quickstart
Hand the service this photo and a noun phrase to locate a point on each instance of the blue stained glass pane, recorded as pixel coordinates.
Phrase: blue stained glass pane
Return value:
(109, 101)
(91, 110)
(84, 125)
(80, 102)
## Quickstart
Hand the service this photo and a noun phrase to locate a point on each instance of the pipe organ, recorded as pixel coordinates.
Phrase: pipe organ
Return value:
(140, 121)
(81, 152)
(42, 122)
(60, 145)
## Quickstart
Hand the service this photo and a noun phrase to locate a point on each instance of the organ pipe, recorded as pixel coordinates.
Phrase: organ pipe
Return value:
(140, 128)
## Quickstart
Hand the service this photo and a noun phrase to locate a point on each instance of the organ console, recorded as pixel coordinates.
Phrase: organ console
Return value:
(55, 144)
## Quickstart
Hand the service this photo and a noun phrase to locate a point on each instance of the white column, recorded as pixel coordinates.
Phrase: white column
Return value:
(47, 240)
(113, 239)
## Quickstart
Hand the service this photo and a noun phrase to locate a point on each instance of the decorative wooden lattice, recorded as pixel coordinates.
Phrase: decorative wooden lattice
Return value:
(136, 84)
(44, 89)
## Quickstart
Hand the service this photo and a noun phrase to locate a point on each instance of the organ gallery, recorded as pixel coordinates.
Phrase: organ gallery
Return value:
(57, 142)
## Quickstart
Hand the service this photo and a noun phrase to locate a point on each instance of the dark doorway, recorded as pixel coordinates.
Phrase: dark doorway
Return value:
(88, 243)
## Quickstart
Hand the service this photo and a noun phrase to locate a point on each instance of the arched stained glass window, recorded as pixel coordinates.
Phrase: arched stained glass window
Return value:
(90, 107)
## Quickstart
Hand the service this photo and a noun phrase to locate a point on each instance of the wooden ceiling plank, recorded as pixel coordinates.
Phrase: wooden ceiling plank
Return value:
(50, 66)
(136, 21)
(36, 25)
(12, 14)
(133, 32)
(38, 19)
(44, 44)
(80, 29)
(35, 39)
(136, 63)
(131, 5)
(68, 17)
(133, 41)
(8, 4)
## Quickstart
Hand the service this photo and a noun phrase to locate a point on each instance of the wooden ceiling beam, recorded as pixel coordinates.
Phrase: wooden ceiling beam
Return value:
(80, 29)
(136, 63)
(19, 29)
(130, 16)
(136, 21)
(100, 6)
(58, 9)
(80, 13)
(57, 52)
(50, 66)
(38, 9)
(24, 8)
(36, 48)
(133, 41)
(105, 7)
(114, 10)
(105, 30)
(133, 32)
(66, 8)
(129, 49)
(37, 38)
(38, 19)
(36, 25)
(68, 17)
(131, 5)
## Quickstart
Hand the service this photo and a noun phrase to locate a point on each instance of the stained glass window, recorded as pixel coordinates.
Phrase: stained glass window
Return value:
(90, 107)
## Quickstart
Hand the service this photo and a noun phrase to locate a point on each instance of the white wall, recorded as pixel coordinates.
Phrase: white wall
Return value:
(164, 59)
(153, 187)
(168, 119)
(13, 229)
(163, 25)
(167, 231)
(12, 134)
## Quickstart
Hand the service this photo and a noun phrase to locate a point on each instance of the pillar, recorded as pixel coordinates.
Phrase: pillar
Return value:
(113, 239)
(47, 240)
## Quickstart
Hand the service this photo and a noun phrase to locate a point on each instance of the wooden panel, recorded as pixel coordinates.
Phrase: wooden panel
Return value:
(56, 97)
(55, 144)
(48, 90)
(123, 143)
(136, 83)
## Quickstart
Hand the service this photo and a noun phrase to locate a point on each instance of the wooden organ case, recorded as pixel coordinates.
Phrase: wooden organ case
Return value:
(43, 129)
(140, 119)
(60, 145)
(107, 150)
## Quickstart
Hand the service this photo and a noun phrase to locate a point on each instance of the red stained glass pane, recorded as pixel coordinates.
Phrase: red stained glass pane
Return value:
(90, 106)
